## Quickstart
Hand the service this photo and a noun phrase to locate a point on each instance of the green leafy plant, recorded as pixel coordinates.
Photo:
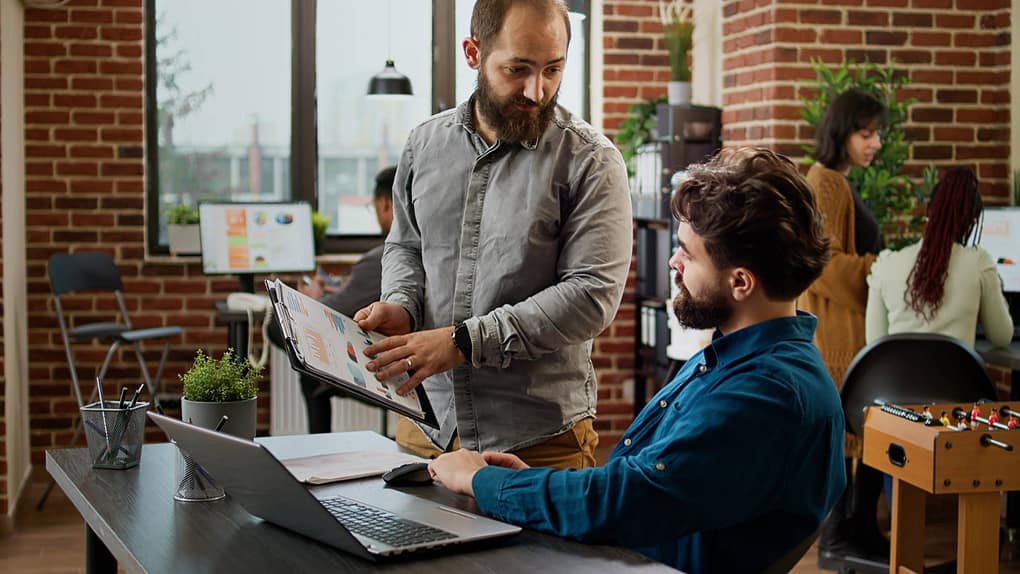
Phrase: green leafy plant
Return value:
(228, 379)
(678, 27)
(320, 223)
(182, 214)
(893, 198)
(638, 129)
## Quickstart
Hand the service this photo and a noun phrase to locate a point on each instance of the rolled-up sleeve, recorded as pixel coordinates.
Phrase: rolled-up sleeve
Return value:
(403, 274)
(596, 243)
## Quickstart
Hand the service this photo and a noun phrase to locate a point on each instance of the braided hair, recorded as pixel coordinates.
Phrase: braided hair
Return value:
(953, 212)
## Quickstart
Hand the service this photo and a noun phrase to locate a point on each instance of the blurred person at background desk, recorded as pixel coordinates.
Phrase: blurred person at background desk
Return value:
(941, 284)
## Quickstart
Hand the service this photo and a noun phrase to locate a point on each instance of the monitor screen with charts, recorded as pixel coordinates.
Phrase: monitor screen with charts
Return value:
(256, 237)
(1000, 236)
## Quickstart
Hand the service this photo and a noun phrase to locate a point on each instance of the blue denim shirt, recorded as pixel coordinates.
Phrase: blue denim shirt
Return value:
(529, 246)
(730, 466)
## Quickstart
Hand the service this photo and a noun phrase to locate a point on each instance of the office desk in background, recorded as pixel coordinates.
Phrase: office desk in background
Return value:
(132, 519)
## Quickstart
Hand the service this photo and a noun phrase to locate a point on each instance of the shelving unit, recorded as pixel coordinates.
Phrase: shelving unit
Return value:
(685, 135)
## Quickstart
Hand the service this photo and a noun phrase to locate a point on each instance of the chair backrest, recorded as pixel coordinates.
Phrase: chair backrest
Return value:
(913, 368)
(71, 272)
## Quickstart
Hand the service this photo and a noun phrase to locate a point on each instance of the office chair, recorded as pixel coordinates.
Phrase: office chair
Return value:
(787, 561)
(73, 272)
(911, 368)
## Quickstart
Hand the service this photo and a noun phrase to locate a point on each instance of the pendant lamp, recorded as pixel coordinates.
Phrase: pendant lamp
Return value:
(389, 82)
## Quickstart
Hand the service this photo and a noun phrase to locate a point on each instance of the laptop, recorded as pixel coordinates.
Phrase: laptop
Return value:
(372, 525)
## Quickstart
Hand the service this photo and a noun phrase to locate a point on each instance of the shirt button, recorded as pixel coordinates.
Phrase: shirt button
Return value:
(702, 368)
(663, 404)
(660, 466)
(626, 442)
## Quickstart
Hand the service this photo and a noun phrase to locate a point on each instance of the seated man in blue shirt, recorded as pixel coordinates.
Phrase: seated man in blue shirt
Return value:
(740, 457)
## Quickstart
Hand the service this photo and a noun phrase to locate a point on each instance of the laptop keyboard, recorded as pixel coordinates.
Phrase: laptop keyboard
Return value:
(381, 525)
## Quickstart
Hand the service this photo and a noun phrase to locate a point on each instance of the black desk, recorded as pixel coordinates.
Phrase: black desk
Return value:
(132, 519)
(237, 327)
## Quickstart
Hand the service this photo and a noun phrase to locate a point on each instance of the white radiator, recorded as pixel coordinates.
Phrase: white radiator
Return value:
(287, 413)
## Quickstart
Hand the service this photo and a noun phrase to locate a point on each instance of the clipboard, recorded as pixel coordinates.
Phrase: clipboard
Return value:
(329, 346)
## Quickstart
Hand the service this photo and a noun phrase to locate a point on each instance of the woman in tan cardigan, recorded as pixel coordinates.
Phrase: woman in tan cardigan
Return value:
(847, 136)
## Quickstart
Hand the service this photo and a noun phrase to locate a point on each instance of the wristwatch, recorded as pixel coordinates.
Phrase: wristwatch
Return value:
(462, 340)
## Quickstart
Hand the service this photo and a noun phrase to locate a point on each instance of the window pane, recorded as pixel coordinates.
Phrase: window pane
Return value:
(359, 135)
(223, 93)
(572, 88)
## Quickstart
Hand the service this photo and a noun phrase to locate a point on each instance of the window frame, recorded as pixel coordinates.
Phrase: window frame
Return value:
(304, 139)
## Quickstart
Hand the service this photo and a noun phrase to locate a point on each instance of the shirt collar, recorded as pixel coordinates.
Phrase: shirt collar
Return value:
(758, 337)
(465, 118)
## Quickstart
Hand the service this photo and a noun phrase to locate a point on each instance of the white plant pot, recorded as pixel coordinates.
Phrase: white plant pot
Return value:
(678, 93)
(241, 415)
(183, 239)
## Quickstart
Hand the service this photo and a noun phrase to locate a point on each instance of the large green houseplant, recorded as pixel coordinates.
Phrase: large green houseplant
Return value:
(213, 388)
(892, 196)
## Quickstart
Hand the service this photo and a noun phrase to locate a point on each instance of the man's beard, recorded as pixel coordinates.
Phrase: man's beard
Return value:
(511, 124)
(708, 312)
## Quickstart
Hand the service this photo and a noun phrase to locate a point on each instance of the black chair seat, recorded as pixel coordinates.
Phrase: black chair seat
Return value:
(98, 331)
(913, 368)
(148, 334)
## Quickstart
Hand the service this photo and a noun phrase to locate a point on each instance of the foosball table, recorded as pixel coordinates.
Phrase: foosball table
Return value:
(976, 456)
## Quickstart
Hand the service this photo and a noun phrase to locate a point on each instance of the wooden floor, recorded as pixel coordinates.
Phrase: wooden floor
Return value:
(53, 541)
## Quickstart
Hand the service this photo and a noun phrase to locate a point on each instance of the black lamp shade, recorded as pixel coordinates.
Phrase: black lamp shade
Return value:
(389, 82)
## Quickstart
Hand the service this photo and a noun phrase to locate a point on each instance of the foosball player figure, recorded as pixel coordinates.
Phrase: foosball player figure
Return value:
(993, 418)
(961, 422)
(944, 419)
(1012, 422)
(974, 414)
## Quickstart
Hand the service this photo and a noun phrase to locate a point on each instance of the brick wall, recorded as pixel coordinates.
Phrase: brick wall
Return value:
(955, 52)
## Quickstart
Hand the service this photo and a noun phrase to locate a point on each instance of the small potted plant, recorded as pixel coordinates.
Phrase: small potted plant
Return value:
(678, 29)
(320, 224)
(225, 387)
(182, 230)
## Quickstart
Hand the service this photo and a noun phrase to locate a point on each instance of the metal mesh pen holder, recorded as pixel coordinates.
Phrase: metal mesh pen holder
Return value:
(114, 434)
(193, 483)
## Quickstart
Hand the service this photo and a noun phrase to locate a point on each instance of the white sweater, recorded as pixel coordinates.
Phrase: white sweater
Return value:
(972, 293)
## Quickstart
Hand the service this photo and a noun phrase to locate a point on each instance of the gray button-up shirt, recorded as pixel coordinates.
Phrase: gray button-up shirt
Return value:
(530, 246)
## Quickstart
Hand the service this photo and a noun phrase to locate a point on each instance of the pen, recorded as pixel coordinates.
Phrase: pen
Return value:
(102, 411)
(134, 399)
(222, 422)
(120, 403)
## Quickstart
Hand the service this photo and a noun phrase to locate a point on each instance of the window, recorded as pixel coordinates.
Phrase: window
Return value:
(266, 100)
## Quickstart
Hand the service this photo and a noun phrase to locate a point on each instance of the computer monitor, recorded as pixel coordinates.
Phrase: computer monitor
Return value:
(248, 238)
(1000, 236)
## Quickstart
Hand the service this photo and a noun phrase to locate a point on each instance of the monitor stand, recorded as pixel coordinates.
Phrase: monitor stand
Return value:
(247, 281)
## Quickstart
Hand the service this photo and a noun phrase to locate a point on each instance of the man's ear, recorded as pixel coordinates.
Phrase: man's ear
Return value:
(472, 54)
(743, 283)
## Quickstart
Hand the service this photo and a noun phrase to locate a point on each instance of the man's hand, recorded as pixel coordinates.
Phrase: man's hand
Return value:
(456, 469)
(420, 354)
(504, 459)
(387, 318)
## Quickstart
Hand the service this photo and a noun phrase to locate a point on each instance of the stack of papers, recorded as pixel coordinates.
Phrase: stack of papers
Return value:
(326, 468)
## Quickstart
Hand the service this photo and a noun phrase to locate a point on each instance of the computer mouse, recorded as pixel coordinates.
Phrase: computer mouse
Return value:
(410, 474)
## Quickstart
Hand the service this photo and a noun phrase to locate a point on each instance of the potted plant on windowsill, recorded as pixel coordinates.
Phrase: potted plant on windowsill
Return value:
(225, 387)
(678, 29)
(182, 230)
(320, 224)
